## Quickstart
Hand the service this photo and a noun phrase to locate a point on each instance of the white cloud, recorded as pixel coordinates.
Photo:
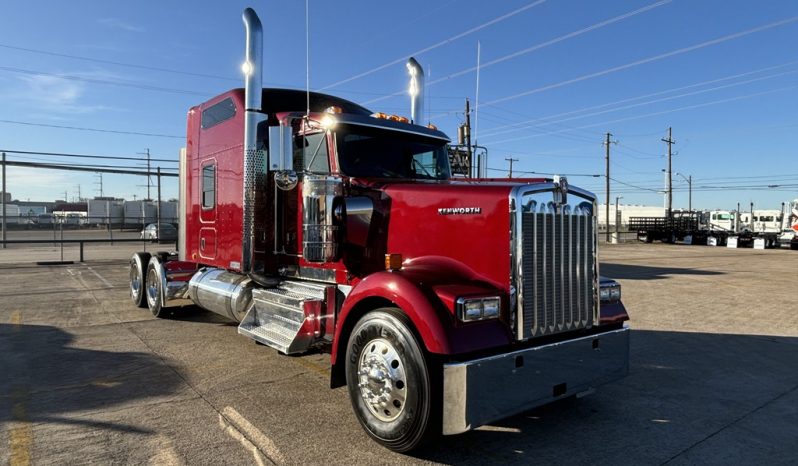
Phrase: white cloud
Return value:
(37, 184)
(116, 23)
(55, 97)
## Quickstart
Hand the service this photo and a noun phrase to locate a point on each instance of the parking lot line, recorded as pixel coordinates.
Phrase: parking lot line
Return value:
(232, 422)
(20, 435)
(16, 319)
(102, 279)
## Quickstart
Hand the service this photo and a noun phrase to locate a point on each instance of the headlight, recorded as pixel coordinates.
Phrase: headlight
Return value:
(473, 309)
(610, 292)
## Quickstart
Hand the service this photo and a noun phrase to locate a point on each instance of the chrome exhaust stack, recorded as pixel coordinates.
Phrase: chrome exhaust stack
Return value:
(416, 91)
(254, 165)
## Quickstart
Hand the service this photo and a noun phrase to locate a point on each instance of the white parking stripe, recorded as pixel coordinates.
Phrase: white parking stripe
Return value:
(250, 437)
(102, 279)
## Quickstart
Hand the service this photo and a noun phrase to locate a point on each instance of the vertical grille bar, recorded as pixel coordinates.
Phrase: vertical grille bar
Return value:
(558, 268)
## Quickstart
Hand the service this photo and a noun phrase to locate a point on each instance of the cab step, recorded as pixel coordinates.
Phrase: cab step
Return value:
(286, 317)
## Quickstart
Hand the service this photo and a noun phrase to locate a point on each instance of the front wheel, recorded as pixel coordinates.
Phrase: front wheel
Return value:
(394, 388)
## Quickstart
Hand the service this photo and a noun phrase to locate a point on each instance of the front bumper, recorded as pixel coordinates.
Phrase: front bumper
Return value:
(483, 390)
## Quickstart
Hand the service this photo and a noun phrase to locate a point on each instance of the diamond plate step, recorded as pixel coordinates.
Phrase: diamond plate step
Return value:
(277, 318)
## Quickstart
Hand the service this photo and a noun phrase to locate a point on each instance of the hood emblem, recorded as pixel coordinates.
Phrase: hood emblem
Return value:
(560, 190)
(459, 210)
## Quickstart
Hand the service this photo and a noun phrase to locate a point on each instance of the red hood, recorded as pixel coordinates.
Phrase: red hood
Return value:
(460, 230)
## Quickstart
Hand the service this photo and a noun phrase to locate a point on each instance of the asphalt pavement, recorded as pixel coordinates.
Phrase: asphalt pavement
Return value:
(86, 377)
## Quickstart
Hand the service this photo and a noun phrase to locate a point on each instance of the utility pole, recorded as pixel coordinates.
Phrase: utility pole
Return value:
(468, 138)
(670, 143)
(4, 200)
(607, 202)
(511, 160)
(100, 183)
(158, 207)
(79, 195)
(149, 180)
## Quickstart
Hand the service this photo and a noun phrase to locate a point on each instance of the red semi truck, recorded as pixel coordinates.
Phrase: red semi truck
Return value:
(444, 303)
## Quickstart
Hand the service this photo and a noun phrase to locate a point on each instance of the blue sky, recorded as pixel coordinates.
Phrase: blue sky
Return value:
(556, 75)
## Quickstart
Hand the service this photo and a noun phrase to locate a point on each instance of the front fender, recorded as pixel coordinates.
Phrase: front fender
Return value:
(407, 296)
(434, 323)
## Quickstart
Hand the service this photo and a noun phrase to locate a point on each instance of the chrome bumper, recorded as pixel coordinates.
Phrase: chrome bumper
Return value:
(484, 390)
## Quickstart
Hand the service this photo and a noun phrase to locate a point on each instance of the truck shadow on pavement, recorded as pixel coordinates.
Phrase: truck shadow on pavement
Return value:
(697, 397)
(44, 379)
(645, 272)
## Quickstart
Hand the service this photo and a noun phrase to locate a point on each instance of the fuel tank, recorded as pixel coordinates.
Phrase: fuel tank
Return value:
(225, 293)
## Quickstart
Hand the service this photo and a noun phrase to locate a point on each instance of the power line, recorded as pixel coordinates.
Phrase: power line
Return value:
(83, 156)
(536, 47)
(646, 60)
(439, 44)
(646, 115)
(117, 63)
(580, 114)
(105, 81)
(96, 130)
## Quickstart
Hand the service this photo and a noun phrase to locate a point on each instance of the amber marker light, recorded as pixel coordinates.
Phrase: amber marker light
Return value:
(393, 262)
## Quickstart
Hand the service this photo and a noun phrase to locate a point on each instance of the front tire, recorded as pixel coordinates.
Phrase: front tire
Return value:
(393, 386)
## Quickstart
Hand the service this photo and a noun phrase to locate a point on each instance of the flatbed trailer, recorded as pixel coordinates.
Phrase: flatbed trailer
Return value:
(666, 229)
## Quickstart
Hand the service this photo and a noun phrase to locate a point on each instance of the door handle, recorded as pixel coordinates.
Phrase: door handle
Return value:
(202, 244)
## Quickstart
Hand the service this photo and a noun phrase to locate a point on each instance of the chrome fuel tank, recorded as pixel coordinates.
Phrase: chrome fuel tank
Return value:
(225, 293)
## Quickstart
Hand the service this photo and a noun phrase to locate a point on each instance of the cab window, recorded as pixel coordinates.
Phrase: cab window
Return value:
(208, 186)
(310, 153)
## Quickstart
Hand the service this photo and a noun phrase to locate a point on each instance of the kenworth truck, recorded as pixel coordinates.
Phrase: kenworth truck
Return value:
(444, 304)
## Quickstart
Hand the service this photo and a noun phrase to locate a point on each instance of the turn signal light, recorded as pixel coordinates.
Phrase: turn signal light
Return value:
(334, 109)
(432, 127)
(380, 115)
(393, 262)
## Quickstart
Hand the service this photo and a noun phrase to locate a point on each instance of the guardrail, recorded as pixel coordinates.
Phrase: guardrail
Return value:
(82, 241)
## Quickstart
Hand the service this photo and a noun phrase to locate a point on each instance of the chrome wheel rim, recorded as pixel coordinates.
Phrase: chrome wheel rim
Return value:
(152, 288)
(382, 380)
(135, 281)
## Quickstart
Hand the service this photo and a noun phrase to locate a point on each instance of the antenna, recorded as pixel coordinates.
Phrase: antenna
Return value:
(476, 101)
(307, 57)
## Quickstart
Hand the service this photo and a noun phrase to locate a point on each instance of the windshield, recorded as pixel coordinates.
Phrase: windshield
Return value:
(380, 153)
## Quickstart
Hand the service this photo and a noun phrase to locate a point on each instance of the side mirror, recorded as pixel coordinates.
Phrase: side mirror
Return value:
(281, 156)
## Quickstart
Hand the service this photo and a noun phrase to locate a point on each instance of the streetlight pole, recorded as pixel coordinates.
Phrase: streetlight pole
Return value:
(617, 220)
(689, 180)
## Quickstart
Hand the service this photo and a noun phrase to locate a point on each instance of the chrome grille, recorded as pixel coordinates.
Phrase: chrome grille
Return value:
(556, 271)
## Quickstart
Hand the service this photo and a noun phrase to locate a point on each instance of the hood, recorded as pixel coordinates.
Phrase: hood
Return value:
(459, 230)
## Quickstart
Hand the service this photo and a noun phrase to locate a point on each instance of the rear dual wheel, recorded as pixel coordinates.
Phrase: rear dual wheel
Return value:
(145, 284)
(393, 385)
(138, 273)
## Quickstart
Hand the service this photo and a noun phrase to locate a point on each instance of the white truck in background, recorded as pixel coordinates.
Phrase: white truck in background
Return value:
(789, 225)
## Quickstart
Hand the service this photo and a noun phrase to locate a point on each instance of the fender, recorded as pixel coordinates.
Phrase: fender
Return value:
(406, 295)
(416, 295)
